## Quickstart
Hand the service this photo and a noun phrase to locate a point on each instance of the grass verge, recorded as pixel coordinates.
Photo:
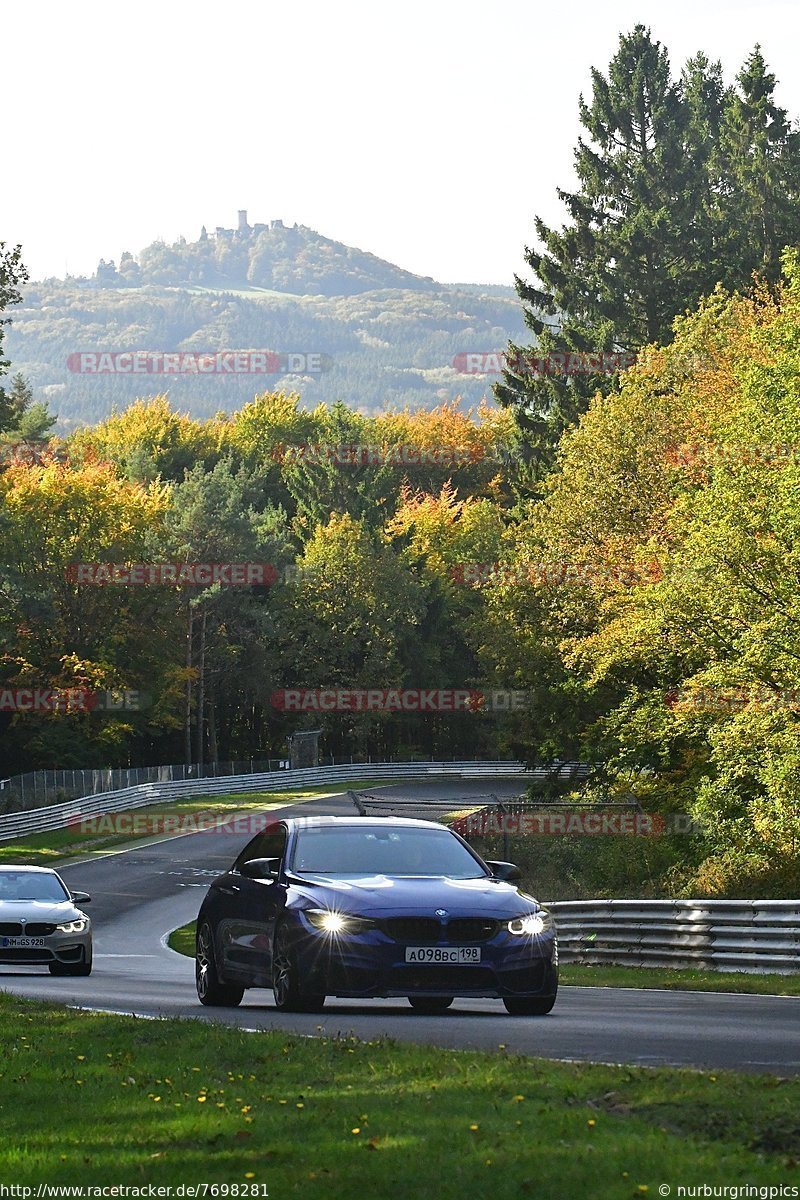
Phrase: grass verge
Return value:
(49, 848)
(677, 980)
(90, 1098)
(182, 940)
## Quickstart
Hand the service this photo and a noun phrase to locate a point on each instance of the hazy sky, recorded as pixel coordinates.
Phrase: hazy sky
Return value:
(428, 132)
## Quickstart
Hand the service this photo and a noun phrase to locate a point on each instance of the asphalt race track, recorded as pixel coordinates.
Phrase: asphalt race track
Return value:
(139, 895)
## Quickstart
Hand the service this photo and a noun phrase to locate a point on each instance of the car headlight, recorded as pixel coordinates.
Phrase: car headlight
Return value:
(531, 924)
(328, 921)
(73, 926)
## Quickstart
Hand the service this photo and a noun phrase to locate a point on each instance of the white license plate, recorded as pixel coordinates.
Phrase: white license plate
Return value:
(22, 943)
(443, 954)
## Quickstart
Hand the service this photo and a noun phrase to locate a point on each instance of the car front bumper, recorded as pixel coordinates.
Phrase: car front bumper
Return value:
(371, 965)
(57, 947)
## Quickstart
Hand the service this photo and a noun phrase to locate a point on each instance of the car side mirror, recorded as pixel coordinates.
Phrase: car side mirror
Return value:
(506, 871)
(80, 897)
(261, 868)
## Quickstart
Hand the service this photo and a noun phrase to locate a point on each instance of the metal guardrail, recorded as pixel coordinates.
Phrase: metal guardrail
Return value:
(437, 807)
(38, 789)
(57, 816)
(367, 805)
(755, 936)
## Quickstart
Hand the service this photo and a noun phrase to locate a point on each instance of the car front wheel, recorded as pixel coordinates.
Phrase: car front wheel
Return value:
(210, 988)
(285, 982)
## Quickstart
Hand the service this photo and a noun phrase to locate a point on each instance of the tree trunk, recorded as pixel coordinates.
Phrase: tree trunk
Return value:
(212, 729)
(201, 697)
(187, 724)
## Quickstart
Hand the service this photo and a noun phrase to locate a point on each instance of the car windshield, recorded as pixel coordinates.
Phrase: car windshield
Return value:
(31, 885)
(378, 850)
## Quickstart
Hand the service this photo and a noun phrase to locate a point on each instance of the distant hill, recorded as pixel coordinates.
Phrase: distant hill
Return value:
(385, 336)
(278, 257)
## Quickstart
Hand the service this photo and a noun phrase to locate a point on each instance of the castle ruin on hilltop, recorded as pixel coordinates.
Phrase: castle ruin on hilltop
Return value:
(243, 230)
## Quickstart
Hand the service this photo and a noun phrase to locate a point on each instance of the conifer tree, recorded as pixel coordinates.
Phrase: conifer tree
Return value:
(12, 275)
(682, 185)
(759, 162)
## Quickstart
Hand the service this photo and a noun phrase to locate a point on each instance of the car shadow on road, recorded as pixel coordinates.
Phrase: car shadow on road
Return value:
(398, 1010)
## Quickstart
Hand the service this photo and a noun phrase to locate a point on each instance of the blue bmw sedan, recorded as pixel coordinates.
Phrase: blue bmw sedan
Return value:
(360, 907)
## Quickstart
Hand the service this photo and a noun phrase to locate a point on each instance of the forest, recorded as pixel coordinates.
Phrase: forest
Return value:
(615, 553)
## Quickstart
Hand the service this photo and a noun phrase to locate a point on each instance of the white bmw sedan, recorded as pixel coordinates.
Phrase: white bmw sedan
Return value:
(40, 922)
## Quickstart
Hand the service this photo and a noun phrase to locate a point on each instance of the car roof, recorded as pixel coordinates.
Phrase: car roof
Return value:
(361, 822)
(24, 867)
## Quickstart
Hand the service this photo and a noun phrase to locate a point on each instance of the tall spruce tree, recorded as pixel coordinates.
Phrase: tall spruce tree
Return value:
(758, 159)
(673, 180)
(20, 395)
(616, 274)
(12, 276)
(707, 98)
(27, 420)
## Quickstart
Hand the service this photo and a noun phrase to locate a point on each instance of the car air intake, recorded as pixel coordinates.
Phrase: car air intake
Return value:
(429, 931)
(32, 929)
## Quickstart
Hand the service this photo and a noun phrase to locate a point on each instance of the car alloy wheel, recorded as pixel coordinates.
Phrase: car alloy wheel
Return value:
(210, 989)
(285, 984)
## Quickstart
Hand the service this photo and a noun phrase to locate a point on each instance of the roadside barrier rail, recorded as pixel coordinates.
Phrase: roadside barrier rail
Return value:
(755, 936)
(56, 816)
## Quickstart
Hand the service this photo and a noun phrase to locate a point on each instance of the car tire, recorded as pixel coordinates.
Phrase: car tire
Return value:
(529, 1006)
(82, 968)
(211, 991)
(430, 1005)
(286, 989)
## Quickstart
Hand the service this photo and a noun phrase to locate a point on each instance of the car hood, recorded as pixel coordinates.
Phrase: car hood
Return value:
(385, 895)
(47, 911)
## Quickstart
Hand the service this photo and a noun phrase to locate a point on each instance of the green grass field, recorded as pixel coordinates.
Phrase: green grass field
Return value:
(182, 940)
(98, 1099)
(681, 980)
